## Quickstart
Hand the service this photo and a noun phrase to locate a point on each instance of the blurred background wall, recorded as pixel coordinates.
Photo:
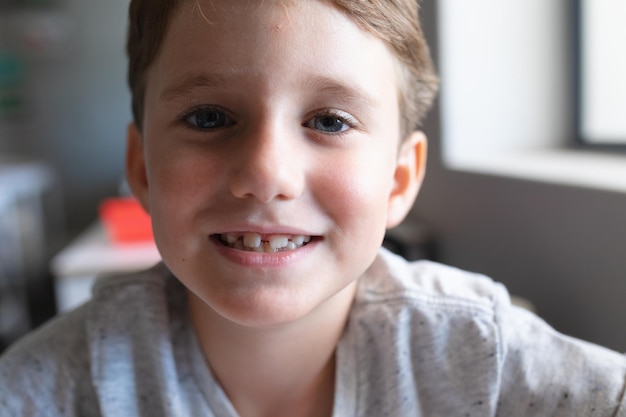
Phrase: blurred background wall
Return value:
(561, 247)
(74, 102)
(64, 108)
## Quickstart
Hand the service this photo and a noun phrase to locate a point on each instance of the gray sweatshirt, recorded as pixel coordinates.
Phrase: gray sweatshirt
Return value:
(422, 339)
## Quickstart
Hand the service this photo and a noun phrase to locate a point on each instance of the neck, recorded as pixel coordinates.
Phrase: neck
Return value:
(284, 370)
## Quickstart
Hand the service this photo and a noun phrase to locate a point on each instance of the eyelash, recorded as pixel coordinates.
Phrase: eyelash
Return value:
(184, 117)
(346, 118)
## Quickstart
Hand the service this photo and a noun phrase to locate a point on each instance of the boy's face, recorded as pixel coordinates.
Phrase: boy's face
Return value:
(275, 121)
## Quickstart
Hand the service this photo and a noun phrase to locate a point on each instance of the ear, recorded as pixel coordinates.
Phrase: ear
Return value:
(408, 177)
(136, 174)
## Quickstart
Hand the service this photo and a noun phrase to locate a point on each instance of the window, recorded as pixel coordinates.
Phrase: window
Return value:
(507, 96)
(602, 89)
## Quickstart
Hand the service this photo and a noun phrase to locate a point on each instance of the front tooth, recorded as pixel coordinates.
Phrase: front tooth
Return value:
(252, 240)
(278, 242)
(298, 240)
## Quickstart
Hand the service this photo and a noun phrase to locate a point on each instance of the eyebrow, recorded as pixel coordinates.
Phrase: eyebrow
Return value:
(345, 92)
(190, 83)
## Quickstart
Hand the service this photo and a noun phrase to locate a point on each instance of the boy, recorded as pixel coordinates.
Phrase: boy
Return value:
(273, 143)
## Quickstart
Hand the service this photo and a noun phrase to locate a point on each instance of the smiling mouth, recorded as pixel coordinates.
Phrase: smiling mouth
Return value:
(255, 242)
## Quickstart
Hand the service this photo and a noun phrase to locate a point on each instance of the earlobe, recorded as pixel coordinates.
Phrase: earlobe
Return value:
(408, 177)
(136, 174)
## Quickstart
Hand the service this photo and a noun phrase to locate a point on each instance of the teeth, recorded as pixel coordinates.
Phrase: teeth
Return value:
(230, 238)
(278, 242)
(254, 242)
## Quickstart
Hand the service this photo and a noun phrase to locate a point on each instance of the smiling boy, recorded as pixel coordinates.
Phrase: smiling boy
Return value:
(270, 168)
(273, 144)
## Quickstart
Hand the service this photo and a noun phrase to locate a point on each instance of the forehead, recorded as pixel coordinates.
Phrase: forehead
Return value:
(282, 43)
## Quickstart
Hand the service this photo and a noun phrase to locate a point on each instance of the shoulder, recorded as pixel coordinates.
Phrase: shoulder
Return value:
(424, 336)
(51, 341)
(124, 304)
(391, 277)
(40, 371)
(153, 280)
(544, 372)
(474, 347)
(52, 368)
(416, 298)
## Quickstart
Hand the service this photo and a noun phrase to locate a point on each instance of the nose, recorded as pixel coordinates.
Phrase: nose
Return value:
(268, 165)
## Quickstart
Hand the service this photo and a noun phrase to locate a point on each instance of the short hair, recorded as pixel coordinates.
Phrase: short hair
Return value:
(395, 22)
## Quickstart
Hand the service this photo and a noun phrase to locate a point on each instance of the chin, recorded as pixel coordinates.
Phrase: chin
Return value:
(263, 311)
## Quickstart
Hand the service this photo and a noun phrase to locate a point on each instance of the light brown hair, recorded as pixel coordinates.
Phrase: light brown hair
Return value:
(396, 22)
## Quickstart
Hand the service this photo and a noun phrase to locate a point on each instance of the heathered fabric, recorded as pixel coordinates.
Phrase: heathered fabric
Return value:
(422, 339)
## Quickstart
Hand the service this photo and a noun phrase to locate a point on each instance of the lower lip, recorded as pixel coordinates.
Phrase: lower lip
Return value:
(264, 259)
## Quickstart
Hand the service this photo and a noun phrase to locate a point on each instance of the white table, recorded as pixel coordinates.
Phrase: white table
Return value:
(90, 255)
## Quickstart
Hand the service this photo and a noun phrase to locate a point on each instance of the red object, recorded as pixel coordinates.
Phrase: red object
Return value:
(125, 221)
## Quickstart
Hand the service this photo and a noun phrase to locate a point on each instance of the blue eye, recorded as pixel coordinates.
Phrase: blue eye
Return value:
(330, 122)
(208, 118)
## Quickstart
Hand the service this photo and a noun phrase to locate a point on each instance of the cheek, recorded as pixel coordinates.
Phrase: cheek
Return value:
(356, 192)
(355, 199)
(181, 173)
(180, 182)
